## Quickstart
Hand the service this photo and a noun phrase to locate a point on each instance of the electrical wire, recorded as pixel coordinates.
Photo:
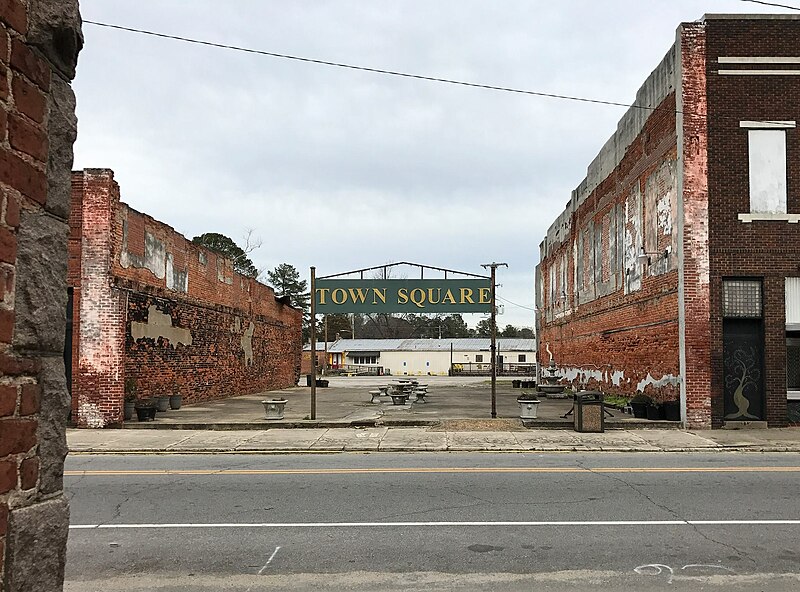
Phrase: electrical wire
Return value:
(514, 303)
(374, 70)
(772, 4)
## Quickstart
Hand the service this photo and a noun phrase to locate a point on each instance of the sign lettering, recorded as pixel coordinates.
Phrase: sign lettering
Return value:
(381, 296)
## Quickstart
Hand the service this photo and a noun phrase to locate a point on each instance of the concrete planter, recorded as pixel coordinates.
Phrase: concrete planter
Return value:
(174, 401)
(162, 403)
(528, 408)
(274, 408)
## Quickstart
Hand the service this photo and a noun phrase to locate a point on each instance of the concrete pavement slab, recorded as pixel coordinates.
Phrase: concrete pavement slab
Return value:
(109, 440)
(546, 440)
(282, 439)
(482, 441)
(413, 439)
(362, 439)
(213, 440)
(771, 439)
(675, 439)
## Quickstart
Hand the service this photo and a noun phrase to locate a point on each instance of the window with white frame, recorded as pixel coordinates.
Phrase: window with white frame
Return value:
(766, 142)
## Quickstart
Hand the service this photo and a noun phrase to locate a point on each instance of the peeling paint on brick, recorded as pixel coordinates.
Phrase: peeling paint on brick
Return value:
(667, 379)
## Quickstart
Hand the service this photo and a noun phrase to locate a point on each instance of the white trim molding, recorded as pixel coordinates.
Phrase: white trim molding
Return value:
(759, 72)
(768, 124)
(765, 216)
(758, 60)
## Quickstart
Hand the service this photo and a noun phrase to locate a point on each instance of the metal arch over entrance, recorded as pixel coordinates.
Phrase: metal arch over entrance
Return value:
(338, 293)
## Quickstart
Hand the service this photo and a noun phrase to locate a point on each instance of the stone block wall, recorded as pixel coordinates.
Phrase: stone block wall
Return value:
(155, 311)
(39, 45)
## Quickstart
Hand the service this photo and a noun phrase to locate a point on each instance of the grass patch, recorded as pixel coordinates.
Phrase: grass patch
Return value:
(617, 400)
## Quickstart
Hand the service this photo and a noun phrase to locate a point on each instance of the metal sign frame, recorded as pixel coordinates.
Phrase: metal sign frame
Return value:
(422, 269)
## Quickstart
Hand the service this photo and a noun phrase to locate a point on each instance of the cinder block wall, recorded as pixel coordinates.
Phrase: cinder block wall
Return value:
(39, 45)
(154, 310)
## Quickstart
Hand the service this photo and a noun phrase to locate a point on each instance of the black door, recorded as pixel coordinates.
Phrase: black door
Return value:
(743, 367)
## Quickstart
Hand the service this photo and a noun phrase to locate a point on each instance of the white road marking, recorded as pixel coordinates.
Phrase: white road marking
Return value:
(271, 557)
(442, 523)
(654, 569)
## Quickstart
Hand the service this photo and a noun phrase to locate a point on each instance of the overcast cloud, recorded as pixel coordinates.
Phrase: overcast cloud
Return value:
(344, 169)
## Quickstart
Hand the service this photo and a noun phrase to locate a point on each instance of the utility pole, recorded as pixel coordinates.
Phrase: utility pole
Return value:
(493, 267)
(313, 414)
(325, 359)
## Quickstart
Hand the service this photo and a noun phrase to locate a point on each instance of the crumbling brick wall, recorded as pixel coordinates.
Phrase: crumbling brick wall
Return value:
(610, 321)
(39, 45)
(165, 315)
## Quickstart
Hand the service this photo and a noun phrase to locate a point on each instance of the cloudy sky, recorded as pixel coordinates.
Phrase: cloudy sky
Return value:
(345, 169)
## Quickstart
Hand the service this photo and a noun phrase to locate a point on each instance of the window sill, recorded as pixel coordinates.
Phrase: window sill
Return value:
(793, 395)
(791, 218)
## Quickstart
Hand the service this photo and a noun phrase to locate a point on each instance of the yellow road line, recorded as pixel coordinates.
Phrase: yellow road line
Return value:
(99, 473)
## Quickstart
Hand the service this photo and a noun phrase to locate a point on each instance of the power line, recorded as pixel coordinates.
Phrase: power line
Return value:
(373, 70)
(772, 4)
(515, 304)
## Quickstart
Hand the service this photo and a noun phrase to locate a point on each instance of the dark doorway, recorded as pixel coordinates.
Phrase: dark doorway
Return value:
(743, 367)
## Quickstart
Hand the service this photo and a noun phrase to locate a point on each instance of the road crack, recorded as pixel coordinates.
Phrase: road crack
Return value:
(669, 510)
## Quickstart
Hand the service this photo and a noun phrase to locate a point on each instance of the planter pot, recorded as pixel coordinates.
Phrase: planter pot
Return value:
(175, 402)
(128, 410)
(516, 383)
(162, 403)
(528, 408)
(639, 409)
(655, 412)
(273, 408)
(145, 413)
(672, 410)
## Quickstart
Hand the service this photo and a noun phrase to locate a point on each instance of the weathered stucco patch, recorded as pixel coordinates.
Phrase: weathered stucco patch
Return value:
(247, 344)
(160, 325)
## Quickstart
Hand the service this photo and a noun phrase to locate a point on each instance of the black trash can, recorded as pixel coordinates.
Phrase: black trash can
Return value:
(308, 380)
(588, 413)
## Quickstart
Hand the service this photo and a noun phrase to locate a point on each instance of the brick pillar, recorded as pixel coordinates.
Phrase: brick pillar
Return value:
(39, 44)
(99, 335)
(694, 273)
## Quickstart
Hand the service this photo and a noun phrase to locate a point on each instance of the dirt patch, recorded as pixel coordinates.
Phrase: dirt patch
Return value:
(478, 425)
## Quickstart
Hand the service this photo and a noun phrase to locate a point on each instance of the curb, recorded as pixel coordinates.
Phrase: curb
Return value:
(395, 449)
(552, 424)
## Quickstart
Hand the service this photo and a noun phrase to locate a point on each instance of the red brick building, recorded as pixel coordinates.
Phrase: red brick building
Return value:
(155, 313)
(675, 268)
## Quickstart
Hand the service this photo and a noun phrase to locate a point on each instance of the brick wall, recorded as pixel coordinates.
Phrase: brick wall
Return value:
(38, 52)
(164, 314)
(693, 222)
(609, 321)
(768, 250)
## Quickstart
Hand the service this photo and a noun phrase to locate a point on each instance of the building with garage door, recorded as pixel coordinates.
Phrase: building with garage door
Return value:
(674, 269)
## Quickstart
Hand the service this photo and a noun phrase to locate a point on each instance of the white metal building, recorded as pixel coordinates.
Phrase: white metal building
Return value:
(434, 357)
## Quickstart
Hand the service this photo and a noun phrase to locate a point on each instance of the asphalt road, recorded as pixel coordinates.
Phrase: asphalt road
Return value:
(434, 522)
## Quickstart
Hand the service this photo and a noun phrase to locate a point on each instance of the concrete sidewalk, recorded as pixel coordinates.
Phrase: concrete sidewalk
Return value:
(427, 439)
